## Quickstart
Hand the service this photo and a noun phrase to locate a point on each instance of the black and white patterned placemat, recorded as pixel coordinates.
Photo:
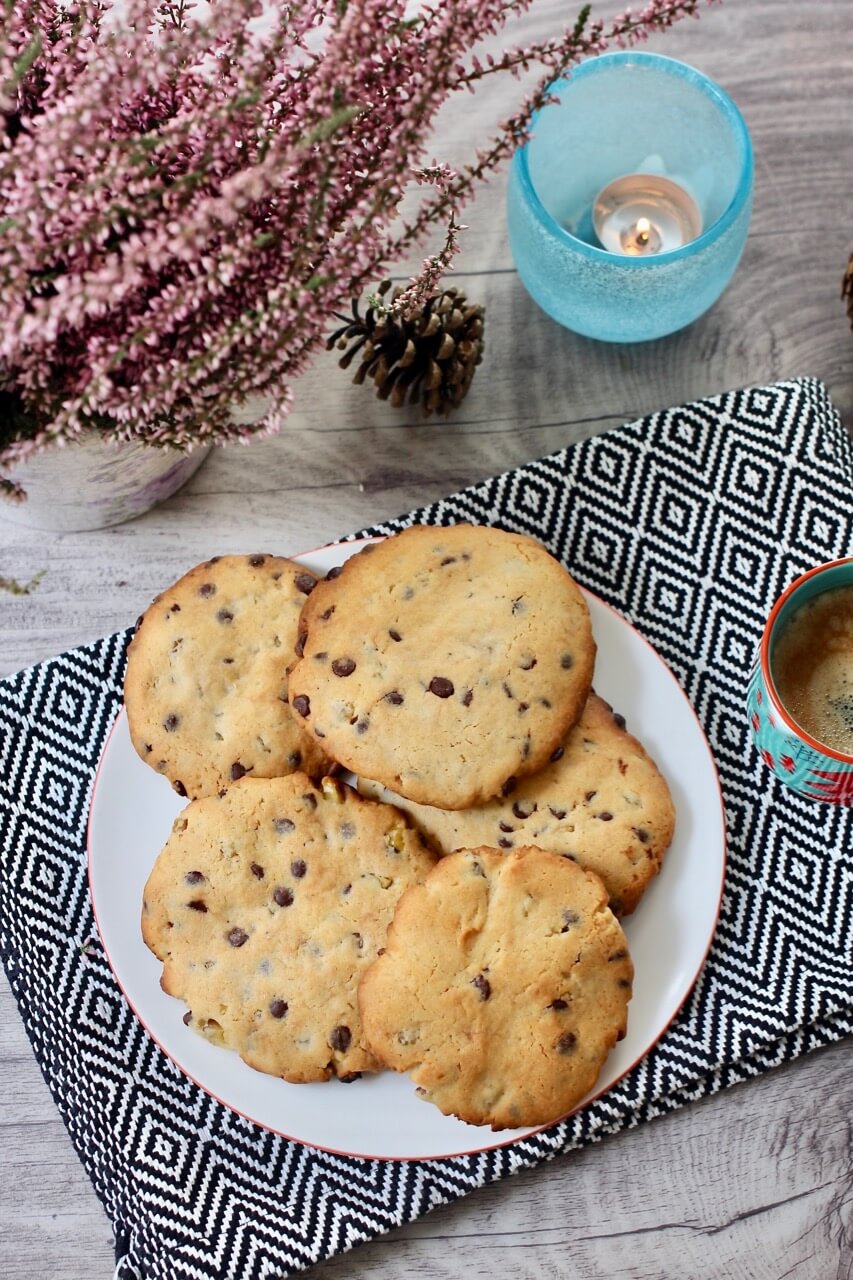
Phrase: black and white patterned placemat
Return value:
(690, 522)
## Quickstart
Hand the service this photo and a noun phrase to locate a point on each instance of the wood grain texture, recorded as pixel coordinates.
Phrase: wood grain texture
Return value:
(754, 1184)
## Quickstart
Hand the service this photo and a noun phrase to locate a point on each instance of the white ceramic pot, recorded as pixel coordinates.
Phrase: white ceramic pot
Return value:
(92, 484)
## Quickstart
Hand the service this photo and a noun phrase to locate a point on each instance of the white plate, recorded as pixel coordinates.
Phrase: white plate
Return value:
(669, 934)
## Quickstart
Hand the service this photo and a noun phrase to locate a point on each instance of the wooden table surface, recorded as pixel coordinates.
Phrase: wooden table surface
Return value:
(756, 1182)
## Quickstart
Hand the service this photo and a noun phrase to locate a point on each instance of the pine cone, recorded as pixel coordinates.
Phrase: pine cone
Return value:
(429, 358)
(847, 289)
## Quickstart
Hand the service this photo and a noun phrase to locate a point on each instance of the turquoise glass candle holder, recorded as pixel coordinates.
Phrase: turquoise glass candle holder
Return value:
(615, 115)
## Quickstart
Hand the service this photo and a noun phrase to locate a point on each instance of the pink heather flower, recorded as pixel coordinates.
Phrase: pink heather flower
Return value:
(189, 194)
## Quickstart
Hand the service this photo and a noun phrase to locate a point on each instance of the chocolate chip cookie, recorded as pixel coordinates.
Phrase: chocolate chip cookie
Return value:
(445, 663)
(505, 1008)
(206, 684)
(600, 800)
(266, 905)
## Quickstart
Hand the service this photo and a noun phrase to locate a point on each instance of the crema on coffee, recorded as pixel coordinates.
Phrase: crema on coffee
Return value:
(812, 667)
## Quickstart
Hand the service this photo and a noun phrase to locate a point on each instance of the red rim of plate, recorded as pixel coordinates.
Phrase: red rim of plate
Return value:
(778, 706)
(492, 1146)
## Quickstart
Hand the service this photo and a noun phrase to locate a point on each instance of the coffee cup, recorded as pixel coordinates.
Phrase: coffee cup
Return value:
(800, 695)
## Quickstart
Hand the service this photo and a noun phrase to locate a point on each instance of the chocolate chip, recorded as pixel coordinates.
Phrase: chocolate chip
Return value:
(283, 896)
(295, 759)
(187, 1018)
(523, 706)
(642, 834)
(257, 561)
(441, 687)
(237, 936)
(469, 698)
(559, 1004)
(228, 661)
(305, 583)
(617, 955)
(239, 771)
(340, 1039)
(302, 705)
(207, 589)
(395, 635)
(618, 720)
(623, 982)
(334, 572)
(567, 662)
(589, 795)
(284, 825)
(605, 815)
(310, 800)
(503, 843)
(257, 871)
(148, 748)
(320, 655)
(569, 918)
(194, 877)
(509, 786)
(362, 726)
(566, 1043)
(346, 889)
(350, 1077)
(278, 1008)
(481, 982)
(197, 905)
(527, 663)
(559, 814)
(298, 868)
(178, 786)
(448, 560)
(522, 812)
(518, 605)
(214, 559)
(176, 608)
(509, 693)
(505, 826)
(343, 666)
(224, 615)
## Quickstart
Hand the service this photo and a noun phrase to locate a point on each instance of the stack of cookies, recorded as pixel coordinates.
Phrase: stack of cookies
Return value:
(457, 919)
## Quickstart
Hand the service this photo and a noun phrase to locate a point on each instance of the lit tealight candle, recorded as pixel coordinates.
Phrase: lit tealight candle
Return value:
(643, 214)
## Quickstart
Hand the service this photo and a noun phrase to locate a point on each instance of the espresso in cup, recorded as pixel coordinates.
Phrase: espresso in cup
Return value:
(812, 668)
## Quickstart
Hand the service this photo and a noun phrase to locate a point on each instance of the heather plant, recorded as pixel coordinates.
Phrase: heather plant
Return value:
(187, 197)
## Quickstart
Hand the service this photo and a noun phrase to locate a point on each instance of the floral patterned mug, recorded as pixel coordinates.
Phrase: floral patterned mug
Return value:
(807, 766)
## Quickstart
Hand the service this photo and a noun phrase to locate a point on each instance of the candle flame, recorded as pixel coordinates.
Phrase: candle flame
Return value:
(643, 226)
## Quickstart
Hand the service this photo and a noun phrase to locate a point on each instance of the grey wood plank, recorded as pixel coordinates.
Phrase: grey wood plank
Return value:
(753, 1184)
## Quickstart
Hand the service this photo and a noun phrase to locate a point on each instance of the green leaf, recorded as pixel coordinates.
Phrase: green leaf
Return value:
(21, 65)
(582, 20)
(327, 127)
